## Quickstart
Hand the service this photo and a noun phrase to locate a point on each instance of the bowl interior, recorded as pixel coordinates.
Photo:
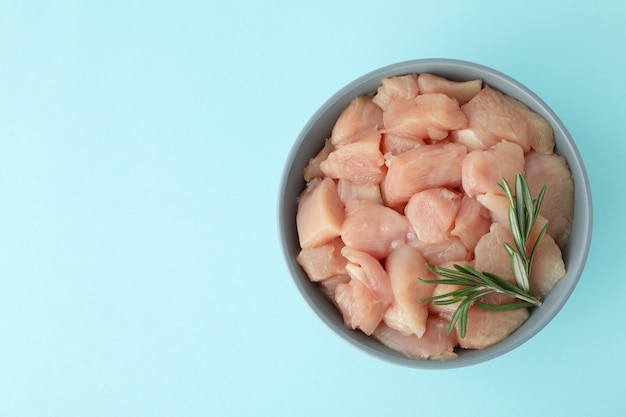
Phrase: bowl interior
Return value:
(311, 140)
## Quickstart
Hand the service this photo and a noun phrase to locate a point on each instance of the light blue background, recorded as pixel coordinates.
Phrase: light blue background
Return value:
(141, 147)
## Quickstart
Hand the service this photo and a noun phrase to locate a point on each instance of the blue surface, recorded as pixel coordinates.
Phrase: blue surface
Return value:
(141, 147)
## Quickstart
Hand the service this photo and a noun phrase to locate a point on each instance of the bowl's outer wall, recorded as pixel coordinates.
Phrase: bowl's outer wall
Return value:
(311, 140)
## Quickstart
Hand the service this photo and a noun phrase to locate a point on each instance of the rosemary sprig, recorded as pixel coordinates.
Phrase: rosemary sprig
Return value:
(475, 286)
(523, 213)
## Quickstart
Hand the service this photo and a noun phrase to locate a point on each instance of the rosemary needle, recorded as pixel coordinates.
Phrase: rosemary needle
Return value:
(523, 213)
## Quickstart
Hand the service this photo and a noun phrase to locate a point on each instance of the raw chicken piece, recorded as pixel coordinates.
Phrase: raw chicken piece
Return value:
(445, 311)
(486, 328)
(405, 265)
(472, 139)
(496, 116)
(498, 206)
(312, 170)
(471, 223)
(425, 116)
(490, 254)
(367, 269)
(461, 91)
(435, 344)
(373, 228)
(498, 299)
(482, 170)
(350, 191)
(320, 213)
(361, 162)
(323, 261)
(422, 168)
(558, 204)
(361, 118)
(329, 285)
(448, 310)
(436, 134)
(401, 87)
(394, 145)
(440, 253)
(548, 267)
(432, 212)
(359, 306)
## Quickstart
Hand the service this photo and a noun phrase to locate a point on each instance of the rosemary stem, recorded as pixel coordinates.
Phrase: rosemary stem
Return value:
(522, 296)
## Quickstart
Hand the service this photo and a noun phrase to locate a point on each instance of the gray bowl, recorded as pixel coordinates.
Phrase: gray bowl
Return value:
(311, 140)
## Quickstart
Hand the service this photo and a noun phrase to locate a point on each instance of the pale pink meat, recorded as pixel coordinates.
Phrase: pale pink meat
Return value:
(486, 328)
(373, 228)
(425, 116)
(431, 213)
(329, 285)
(473, 139)
(436, 134)
(482, 170)
(496, 116)
(548, 267)
(361, 118)
(361, 162)
(461, 91)
(471, 223)
(367, 269)
(312, 170)
(447, 310)
(405, 265)
(540, 222)
(325, 261)
(491, 256)
(359, 306)
(401, 87)
(422, 168)
(320, 214)
(394, 145)
(442, 252)
(435, 344)
(498, 206)
(558, 205)
(350, 191)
